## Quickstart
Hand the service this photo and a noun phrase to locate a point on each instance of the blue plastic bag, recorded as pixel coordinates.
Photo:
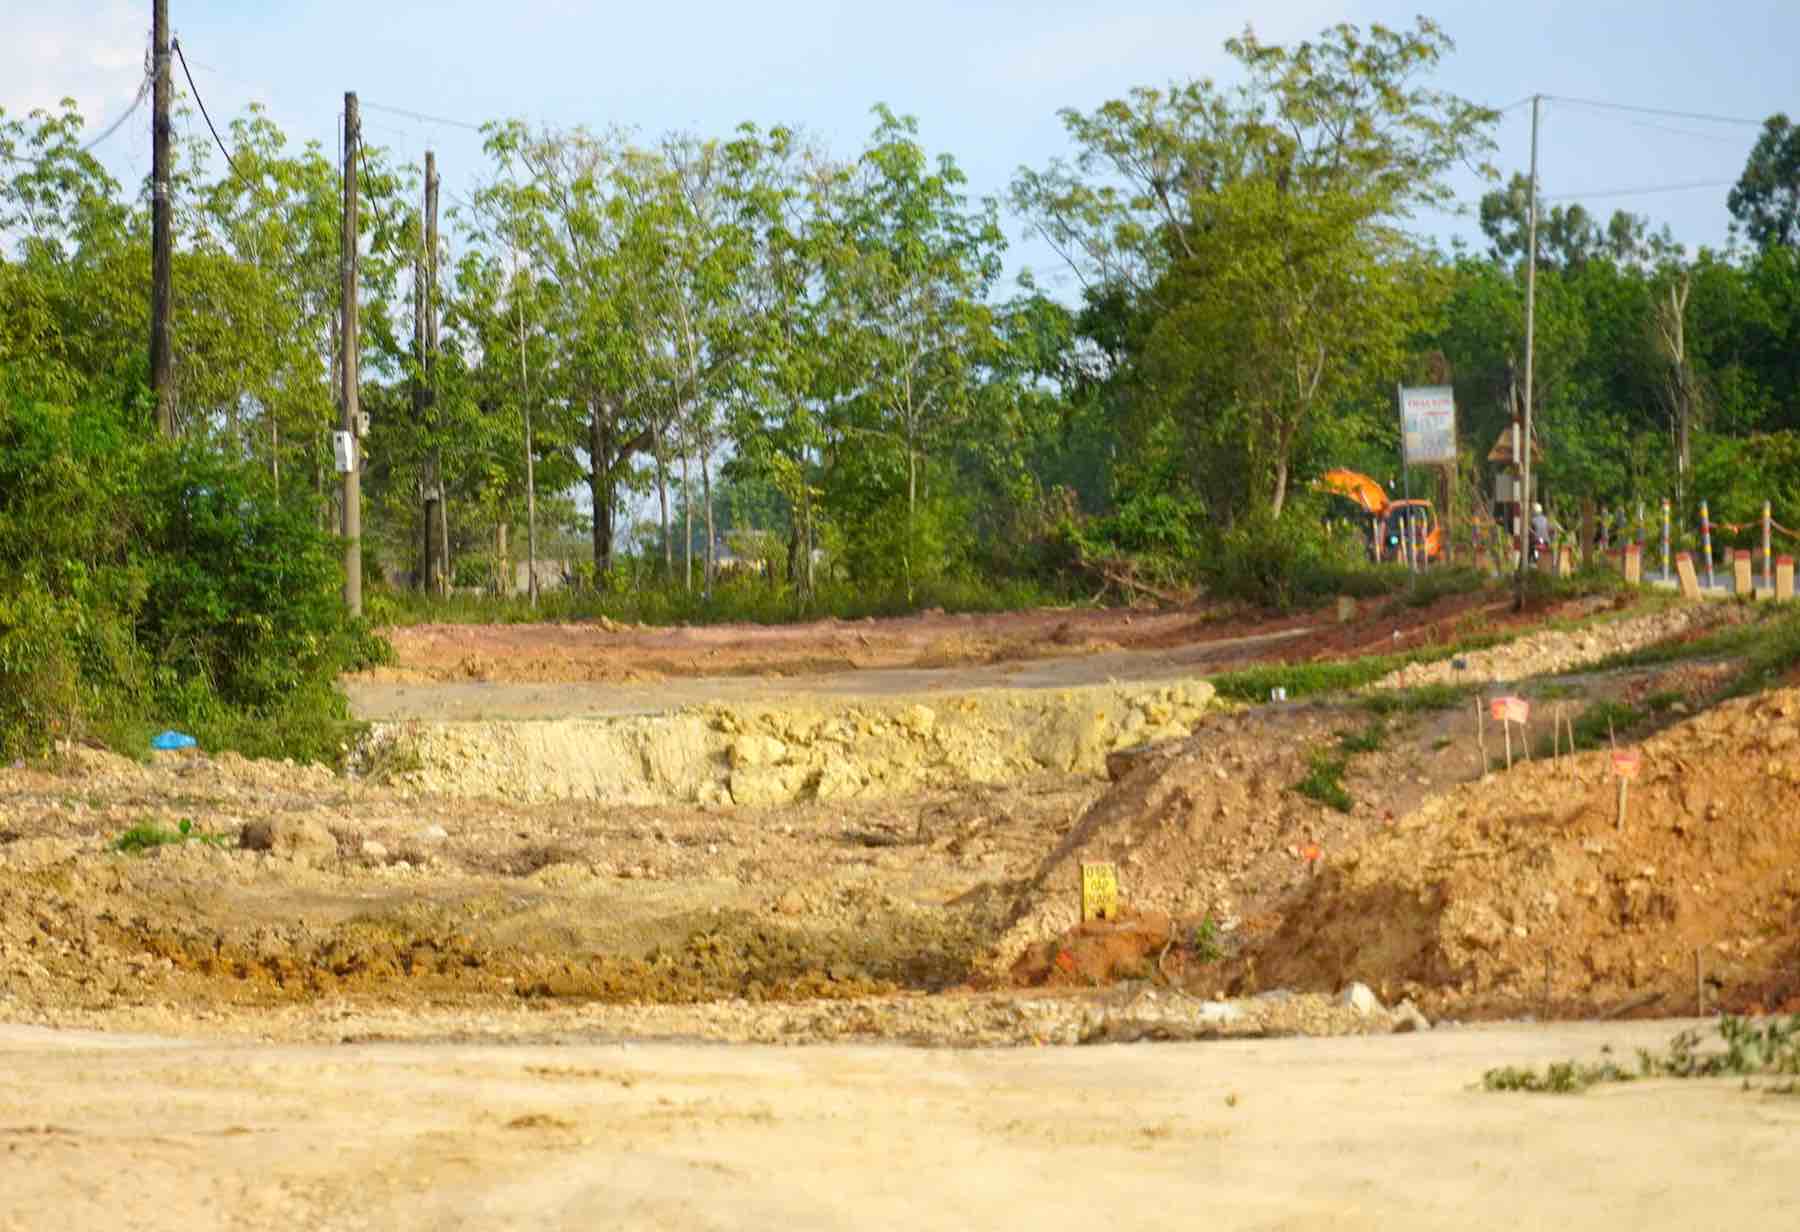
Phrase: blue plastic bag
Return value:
(172, 740)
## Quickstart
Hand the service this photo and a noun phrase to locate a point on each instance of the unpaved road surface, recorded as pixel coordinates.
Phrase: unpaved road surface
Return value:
(108, 1132)
(380, 695)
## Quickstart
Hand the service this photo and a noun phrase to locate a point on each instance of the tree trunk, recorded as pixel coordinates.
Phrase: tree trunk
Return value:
(502, 561)
(712, 564)
(1281, 482)
(687, 526)
(662, 501)
(600, 489)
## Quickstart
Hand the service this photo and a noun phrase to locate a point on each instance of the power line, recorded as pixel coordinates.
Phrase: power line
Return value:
(1637, 192)
(1655, 111)
(143, 92)
(229, 160)
(420, 115)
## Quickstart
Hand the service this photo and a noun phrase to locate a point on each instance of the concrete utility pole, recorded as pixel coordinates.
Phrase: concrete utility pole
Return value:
(1525, 495)
(161, 243)
(350, 345)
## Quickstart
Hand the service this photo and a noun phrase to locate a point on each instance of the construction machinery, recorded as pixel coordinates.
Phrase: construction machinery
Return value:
(1388, 525)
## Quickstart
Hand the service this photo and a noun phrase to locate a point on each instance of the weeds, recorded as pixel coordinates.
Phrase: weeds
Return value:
(1386, 702)
(1206, 942)
(1324, 781)
(147, 834)
(1557, 1078)
(1369, 740)
(1752, 1048)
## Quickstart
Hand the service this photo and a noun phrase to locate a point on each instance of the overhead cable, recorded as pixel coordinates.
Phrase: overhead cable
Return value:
(420, 115)
(175, 46)
(1656, 111)
(143, 92)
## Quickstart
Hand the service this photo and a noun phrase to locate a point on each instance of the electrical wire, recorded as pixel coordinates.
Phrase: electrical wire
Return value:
(420, 115)
(1656, 111)
(1645, 191)
(229, 160)
(143, 92)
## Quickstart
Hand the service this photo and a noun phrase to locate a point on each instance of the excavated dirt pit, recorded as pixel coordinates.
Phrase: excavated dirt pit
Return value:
(898, 866)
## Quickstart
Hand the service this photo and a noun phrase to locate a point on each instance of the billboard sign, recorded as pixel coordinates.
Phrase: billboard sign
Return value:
(1428, 425)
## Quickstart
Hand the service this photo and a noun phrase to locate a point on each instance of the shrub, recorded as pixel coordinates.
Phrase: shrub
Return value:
(145, 584)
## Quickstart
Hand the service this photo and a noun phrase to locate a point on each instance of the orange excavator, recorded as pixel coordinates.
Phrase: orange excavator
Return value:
(1388, 522)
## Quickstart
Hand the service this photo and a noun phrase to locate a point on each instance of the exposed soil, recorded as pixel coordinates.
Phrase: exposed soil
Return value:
(1361, 1134)
(816, 864)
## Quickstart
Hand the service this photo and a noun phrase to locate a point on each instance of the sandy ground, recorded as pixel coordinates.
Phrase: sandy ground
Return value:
(1388, 1132)
(404, 1007)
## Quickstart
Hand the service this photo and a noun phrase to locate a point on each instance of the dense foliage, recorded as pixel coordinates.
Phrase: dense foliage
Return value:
(146, 583)
(651, 356)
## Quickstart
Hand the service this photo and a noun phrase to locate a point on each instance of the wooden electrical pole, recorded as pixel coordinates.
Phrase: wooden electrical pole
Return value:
(162, 291)
(437, 522)
(1525, 497)
(349, 366)
(422, 564)
(519, 284)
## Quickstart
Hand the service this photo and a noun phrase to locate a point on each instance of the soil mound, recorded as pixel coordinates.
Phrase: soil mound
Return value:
(1209, 826)
(1520, 894)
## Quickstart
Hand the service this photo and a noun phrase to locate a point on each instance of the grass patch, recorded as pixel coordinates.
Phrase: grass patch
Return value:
(1324, 780)
(147, 834)
(1600, 722)
(1368, 740)
(1416, 700)
(1664, 701)
(1434, 584)
(1752, 1048)
(1557, 1078)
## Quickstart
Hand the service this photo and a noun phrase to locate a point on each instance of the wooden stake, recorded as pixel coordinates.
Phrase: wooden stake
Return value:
(1619, 821)
(1556, 734)
(1481, 736)
(1507, 728)
(1571, 725)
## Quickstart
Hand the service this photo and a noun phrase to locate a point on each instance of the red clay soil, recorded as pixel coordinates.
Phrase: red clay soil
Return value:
(1519, 894)
(604, 651)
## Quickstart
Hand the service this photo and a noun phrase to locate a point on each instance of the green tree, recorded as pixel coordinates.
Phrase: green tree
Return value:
(1766, 199)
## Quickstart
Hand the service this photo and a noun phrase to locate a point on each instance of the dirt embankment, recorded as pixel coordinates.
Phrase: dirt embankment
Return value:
(1555, 651)
(812, 747)
(1522, 892)
(609, 652)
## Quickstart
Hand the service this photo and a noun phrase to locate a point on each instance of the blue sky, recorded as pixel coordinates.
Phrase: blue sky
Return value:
(984, 79)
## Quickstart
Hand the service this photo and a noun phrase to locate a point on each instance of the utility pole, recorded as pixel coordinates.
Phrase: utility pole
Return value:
(1525, 496)
(437, 521)
(162, 290)
(351, 354)
(531, 578)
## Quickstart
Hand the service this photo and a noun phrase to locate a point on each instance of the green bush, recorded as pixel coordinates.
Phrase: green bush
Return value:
(146, 584)
(1287, 561)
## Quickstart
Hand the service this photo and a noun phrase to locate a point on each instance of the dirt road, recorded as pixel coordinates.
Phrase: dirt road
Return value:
(108, 1131)
(398, 695)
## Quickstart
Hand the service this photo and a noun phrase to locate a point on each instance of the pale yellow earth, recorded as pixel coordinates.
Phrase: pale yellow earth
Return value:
(106, 1131)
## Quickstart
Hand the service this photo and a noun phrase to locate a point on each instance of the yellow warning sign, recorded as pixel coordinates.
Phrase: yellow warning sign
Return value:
(1099, 892)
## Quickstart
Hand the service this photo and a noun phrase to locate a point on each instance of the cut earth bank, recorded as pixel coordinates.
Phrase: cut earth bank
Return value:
(310, 906)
